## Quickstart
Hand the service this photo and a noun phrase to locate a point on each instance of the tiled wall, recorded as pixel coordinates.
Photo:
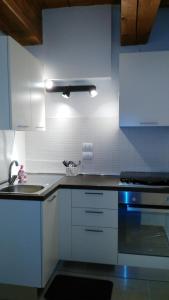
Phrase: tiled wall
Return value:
(12, 146)
(69, 124)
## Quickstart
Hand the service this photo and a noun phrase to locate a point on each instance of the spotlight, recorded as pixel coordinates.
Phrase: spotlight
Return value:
(51, 87)
(49, 84)
(66, 94)
(93, 92)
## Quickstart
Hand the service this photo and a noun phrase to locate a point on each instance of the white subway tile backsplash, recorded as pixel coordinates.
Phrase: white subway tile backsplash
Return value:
(11, 147)
(63, 140)
(138, 149)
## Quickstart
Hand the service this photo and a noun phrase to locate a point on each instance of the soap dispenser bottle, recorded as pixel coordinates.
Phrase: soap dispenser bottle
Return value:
(22, 177)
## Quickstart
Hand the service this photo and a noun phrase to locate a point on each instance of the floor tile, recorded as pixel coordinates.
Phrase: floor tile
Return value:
(129, 295)
(128, 283)
(159, 290)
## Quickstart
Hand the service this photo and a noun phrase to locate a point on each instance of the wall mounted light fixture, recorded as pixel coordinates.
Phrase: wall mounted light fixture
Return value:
(51, 87)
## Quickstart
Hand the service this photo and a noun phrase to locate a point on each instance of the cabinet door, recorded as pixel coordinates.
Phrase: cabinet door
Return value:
(19, 76)
(144, 89)
(50, 234)
(4, 85)
(20, 243)
(65, 224)
(37, 94)
(94, 244)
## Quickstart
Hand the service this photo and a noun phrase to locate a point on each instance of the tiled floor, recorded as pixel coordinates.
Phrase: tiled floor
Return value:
(129, 283)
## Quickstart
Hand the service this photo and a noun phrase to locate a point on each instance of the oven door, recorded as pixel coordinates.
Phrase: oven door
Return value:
(143, 229)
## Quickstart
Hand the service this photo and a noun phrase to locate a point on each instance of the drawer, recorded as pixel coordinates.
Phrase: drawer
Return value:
(96, 245)
(95, 217)
(95, 199)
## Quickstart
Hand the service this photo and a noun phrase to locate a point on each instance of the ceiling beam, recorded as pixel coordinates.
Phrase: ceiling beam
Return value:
(21, 19)
(128, 22)
(147, 11)
(137, 19)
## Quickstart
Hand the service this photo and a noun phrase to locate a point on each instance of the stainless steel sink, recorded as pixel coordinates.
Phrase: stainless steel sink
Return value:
(29, 189)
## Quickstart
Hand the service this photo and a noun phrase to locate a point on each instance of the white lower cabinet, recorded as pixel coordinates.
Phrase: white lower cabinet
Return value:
(50, 236)
(28, 241)
(65, 224)
(95, 245)
(88, 225)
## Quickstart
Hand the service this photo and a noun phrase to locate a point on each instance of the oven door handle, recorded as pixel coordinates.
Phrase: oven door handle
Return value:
(147, 210)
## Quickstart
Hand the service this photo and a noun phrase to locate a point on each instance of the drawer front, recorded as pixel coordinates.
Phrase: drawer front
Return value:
(97, 245)
(95, 217)
(95, 199)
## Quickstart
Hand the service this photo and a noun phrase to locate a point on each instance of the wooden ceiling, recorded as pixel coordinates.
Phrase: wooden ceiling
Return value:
(22, 19)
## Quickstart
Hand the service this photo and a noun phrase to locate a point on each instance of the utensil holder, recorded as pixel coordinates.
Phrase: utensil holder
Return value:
(72, 171)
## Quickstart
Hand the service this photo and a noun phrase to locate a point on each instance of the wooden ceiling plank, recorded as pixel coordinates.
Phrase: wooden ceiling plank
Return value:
(22, 17)
(128, 22)
(147, 11)
(164, 3)
(64, 3)
(53, 3)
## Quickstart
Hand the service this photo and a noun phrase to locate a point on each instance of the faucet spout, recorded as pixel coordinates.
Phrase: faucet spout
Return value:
(11, 178)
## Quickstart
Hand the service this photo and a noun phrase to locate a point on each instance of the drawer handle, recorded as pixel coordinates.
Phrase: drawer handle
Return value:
(39, 127)
(149, 123)
(89, 193)
(94, 230)
(22, 126)
(93, 212)
(52, 198)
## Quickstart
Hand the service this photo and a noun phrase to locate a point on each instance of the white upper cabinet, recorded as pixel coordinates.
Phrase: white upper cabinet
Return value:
(37, 95)
(22, 105)
(144, 89)
(19, 86)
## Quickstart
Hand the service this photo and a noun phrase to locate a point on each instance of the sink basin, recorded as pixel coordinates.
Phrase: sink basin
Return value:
(22, 189)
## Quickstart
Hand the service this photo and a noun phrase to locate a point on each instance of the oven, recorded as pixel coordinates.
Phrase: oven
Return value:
(143, 223)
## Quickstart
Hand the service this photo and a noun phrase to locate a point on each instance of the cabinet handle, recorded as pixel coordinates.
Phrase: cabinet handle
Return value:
(94, 230)
(22, 126)
(52, 198)
(93, 212)
(149, 123)
(93, 193)
(147, 210)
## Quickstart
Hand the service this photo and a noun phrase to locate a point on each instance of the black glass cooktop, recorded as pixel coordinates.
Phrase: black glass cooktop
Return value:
(149, 178)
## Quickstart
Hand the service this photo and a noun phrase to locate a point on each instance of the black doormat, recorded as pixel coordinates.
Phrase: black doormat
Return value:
(79, 288)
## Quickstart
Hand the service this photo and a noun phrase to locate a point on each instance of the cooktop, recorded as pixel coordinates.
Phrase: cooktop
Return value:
(146, 178)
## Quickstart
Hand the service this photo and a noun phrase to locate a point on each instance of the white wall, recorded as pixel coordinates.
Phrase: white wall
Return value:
(77, 42)
(82, 119)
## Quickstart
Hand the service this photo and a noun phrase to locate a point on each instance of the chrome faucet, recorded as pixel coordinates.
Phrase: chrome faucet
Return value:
(11, 179)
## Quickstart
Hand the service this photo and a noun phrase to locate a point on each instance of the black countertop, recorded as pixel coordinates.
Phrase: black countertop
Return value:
(99, 182)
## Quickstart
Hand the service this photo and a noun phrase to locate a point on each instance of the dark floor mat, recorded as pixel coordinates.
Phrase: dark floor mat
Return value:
(79, 288)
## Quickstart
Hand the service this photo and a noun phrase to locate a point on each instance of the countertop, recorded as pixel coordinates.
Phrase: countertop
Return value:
(53, 182)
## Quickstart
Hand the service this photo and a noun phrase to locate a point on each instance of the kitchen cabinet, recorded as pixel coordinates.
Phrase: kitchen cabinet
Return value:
(37, 95)
(29, 241)
(144, 89)
(22, 105)
(65, 200)
(89, 225)
(50, 236)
